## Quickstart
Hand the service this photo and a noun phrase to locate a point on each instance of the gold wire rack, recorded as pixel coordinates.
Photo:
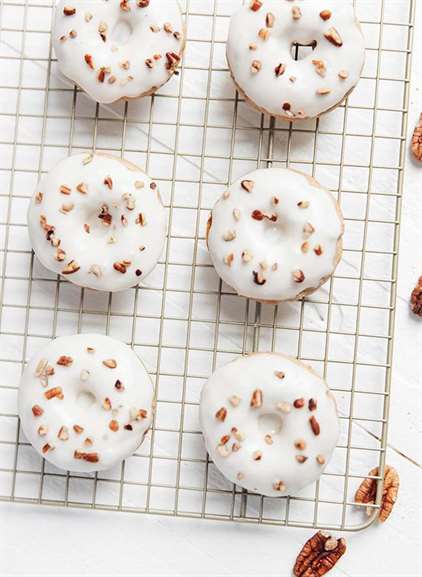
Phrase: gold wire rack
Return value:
(194, 137)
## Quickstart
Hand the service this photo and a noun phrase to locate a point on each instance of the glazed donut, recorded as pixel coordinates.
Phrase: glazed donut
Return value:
(259, 52)
(85, 402)
(270, 423)
(99, 221)
(118, 49)
(275, 235)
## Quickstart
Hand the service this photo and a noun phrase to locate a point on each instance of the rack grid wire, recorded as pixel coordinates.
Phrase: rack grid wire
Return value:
(194, 137)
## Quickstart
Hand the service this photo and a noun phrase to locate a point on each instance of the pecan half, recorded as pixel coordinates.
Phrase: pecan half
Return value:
(416, 298)
(319, 555)
(417, 141)
(367, 491)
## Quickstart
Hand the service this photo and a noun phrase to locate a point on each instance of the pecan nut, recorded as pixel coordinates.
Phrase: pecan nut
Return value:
(319, 555)
(417, 141)
(367, 491)
(416, 298)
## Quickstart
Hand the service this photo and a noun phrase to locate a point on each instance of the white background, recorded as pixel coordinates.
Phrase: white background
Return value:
(45, 541)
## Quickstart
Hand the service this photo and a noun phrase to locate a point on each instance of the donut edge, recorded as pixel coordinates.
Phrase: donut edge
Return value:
(337, 257)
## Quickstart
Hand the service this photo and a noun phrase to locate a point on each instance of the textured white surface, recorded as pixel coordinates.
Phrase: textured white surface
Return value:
(46, 542)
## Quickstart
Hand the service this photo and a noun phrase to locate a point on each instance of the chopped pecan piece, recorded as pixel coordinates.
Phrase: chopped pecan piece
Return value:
(416, 298)
(69, 11)
(89, 457)
(247, 185)
(334, 37)
(64, 361)
(221, 414)
(417, 141)
(255, 5)
(319, 555)
(256, 399)
(367, 491)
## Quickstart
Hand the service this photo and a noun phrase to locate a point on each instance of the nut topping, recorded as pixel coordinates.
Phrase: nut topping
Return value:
(279, 374)
(257, 456)
(221, 414)
(247, 185)
(107, 404)
(319, 555)
(65, 189)
(298, 276)
(42, 430)
(113, 425)
(69, 11)
(46, 448)
(280, 69)
(258, 278)
(256, 66)
(417, 141)
(296, 13)
(235, 400)
(316, 429)
(37, 411)
(416, 299)
(54, 392)
(64, 361)
(255, 5)
(256, 399)
(63, 434)
(334, 37)
(312, 405)
(89, 457)
(367, 491)
(325, 14)
(279, 486)
(89, 60)
(269, 20)
(78, 429)
(299, 403)
(71, 267)
(110, 363)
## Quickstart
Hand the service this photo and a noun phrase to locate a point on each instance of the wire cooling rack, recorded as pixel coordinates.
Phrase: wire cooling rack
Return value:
(194, 137)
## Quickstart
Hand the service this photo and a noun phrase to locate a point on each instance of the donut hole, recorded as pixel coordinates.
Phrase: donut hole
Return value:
(85, 399)
(301, 51)
(270, 423)
(121, 32)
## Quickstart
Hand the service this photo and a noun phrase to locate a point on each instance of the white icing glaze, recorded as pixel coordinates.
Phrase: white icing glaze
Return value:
(101, 412)
(260, 58)
(260, 241)
(255, 414)
(108, 218)
(116, 49)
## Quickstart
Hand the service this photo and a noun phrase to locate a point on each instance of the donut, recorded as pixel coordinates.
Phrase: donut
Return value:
(85, 402)
(261, 43)
(269, 422)
(99, 221)
(275, 235)
(118, 49)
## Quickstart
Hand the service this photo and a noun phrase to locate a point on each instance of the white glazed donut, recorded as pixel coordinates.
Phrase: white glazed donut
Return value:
(259, 53)
(270, 423)
(85, 402)
(99, 221)
(118, 49)
(275, 235)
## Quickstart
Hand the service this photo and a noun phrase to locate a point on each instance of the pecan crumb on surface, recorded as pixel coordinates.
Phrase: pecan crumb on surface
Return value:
(367, 491)
(416, 299)
(319, 555)
(417, 141)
